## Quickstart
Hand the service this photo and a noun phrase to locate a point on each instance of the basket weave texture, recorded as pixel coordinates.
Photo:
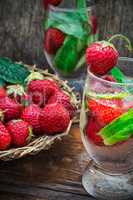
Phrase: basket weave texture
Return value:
(43, 142)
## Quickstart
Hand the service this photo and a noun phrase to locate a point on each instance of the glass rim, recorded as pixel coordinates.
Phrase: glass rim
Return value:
(111, 82)
(56, 8)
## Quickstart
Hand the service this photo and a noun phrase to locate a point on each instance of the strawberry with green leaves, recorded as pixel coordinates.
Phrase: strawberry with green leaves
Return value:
(18, 93)
(101, 57)
(11, 108)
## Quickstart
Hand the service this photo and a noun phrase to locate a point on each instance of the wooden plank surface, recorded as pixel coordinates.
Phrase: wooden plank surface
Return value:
(116, 17)
(54, 174)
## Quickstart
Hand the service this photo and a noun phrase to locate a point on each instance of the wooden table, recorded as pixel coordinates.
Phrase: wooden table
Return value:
(51, 175)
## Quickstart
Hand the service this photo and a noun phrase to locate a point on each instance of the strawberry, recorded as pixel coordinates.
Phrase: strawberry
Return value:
(20, 132)
(109, 78)
(41, 90)
(2, 92)
(64, 99)
(94, 24)
(92, 130)
(105, 110)
(5, 137)
(53, 40)
(54, 119)
(101, 57)
(52, 2)
(12, 110)
(31, 115)
(17, 93)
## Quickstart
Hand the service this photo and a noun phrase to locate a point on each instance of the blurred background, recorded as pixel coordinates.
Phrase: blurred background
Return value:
(22, 34)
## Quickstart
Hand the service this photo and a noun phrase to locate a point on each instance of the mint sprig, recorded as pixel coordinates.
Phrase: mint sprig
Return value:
(120, 129)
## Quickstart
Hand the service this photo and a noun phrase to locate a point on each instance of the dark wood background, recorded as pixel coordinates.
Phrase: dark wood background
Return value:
(21, 32)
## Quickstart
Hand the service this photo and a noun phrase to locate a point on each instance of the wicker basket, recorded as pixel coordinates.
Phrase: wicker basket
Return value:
(43, 142)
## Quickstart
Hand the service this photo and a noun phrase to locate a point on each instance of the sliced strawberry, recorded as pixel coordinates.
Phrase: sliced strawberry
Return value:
(92, 130)
(53, 40)
(105, 110)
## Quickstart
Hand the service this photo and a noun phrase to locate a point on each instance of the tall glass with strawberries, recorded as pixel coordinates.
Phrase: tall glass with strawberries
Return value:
(106, 123)
(69, 29)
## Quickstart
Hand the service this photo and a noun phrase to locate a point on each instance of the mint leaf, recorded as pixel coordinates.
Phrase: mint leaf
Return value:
(118, 75)
(70, 23)
(82, 9)
(66, 57)
(121, 78)
(119, 130)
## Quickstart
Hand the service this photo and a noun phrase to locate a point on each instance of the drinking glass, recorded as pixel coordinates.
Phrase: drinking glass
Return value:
(106, 124)
(65, 46)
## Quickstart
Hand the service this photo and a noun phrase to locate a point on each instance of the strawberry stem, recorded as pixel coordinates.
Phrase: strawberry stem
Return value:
(128, 46)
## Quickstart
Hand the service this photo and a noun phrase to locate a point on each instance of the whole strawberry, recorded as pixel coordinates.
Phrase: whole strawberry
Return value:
(41, 90)
(17, 93)
(64, 99)
(101, 57)
(5, 138)
(53, 40)
(46, 3)
(20, 131)
(12, 109)
(31, 115)
(2, 92)
(54, 119)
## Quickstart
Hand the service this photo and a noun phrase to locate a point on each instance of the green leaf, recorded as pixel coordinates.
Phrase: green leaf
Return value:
(12, 72)
(2, 83)
(119, 130)
(82, 8)
(121, 78)
(67, 56)
(81, 62)
(81, 4)
(70, 23)
(118, 75)
(82, 44)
